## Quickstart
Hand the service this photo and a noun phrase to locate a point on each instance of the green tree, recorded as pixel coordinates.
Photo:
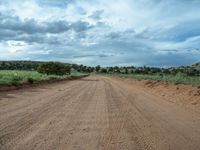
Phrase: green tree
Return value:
(55, 68)
(97, 68)
(116, 69)
(110, 69)
(126, 71)
(104, 70)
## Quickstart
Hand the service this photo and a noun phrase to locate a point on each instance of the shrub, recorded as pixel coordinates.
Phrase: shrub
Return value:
(54, 68)
(53, 78)
(30, 80)
(103, 70)
(15, 80)
(97, 68)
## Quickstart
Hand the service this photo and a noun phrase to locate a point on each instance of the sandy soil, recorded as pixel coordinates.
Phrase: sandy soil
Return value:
(95, 113)
(186, 96)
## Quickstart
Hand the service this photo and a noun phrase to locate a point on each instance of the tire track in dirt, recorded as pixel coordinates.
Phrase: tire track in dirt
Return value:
(132, 120)
(22, 102)
(29, 120)
(94, 113)
(129, 123)
(156, 125)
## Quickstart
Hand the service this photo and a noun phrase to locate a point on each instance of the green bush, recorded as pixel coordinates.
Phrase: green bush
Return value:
(16, 80)
(97, 68)
(54, 68)
(30, 80)
(53, 78)
(16, 77)
(104, 70)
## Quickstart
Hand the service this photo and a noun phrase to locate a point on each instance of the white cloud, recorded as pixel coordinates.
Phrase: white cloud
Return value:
(125, 31)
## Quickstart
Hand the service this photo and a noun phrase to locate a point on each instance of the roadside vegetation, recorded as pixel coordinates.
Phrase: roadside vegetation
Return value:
(54, 68)
(176, 79)
(184, 75)
(15, 77)
(35, 71)
(19, 72)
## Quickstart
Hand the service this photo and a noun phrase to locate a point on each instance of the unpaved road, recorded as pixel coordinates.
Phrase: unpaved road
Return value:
(94, 113)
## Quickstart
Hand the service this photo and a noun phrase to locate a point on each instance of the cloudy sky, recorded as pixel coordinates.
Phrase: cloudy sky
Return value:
(105, 32)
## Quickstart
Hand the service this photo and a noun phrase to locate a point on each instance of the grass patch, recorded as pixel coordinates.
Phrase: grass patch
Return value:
(15, 77)
(176, 79)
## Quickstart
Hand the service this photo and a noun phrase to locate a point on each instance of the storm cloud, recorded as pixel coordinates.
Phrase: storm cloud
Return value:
(122, 32)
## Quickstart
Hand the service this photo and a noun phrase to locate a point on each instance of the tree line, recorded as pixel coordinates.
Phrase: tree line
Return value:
(190, 71)
(64, 68)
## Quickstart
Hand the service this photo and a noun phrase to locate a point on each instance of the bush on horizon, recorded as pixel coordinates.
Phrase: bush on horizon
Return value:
(54, 68)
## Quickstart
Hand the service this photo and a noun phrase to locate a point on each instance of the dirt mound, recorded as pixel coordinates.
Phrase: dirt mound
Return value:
(187, 96)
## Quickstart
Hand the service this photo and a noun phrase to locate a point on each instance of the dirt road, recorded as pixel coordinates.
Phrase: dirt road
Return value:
(94, 113)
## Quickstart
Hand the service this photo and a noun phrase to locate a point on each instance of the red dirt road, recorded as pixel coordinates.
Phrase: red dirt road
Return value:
(94, 113)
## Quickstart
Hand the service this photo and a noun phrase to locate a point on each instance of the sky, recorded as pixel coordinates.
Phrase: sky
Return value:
(161, 33)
